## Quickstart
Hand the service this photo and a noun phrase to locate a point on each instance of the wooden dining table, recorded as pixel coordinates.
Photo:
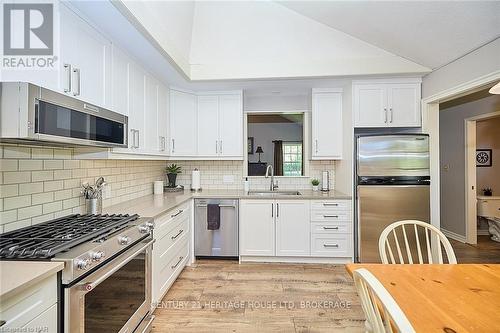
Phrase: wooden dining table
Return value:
(443, 298)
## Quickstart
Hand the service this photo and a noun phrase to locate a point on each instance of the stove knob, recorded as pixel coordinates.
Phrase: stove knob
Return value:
(150, 225)
(143, 229)
(83, 264)
(96, 256)
(123, 240)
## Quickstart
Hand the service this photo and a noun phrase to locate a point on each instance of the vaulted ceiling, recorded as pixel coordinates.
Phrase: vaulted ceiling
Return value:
(220, 40)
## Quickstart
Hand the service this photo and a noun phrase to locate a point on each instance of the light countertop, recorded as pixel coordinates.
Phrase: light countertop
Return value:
(155, 205)
(16, 276)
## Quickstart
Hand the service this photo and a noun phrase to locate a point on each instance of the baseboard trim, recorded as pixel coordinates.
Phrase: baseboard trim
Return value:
(297, 260)
(453, 235)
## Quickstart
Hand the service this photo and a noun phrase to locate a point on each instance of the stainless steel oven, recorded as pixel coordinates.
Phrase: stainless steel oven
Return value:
(114, 298)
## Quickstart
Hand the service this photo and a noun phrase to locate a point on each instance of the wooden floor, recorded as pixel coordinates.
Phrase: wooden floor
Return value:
(223, 296)
(485, 251)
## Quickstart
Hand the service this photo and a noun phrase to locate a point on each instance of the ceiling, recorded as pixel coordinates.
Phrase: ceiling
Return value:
(430, 33)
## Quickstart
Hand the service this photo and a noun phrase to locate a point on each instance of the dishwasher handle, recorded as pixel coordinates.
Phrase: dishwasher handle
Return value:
(222, 206)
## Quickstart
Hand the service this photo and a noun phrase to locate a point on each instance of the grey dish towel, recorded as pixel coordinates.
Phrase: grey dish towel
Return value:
(213, 217)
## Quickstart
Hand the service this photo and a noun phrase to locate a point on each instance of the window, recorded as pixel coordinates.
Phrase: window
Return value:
(292, 158)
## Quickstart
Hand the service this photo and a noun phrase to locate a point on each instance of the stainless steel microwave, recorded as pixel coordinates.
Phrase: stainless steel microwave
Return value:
(33, 114)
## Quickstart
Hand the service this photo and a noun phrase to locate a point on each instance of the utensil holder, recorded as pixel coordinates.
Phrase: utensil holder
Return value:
(92, 206)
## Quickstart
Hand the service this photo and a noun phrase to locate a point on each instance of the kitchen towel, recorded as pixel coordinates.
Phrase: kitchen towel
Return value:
(213, 217)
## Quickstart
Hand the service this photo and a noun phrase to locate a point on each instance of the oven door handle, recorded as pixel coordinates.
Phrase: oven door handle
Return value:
(91, 285)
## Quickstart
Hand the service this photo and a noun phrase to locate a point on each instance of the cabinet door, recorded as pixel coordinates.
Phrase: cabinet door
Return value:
(151, 140)
(292, 228)
(370, 105)
(119, 75)
(91, 74)
(231, 126)
(163, 117)
(183, 125)
(208, 125)
(136, 106)
(68, 48)
(257, 227)
(404, 105)
(327, 125)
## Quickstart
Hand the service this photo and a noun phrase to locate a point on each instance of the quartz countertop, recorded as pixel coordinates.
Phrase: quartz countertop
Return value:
(16, 276)
(156, 205)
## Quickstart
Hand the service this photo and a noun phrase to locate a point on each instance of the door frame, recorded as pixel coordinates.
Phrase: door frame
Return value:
(471, 175)
(430, 125)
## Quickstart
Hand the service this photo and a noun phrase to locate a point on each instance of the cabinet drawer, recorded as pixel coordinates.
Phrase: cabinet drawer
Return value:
(330, 228)
(331, 205)
(46, 322)
(327, 216)
(165, 223)
(167, 267)
(22, 308)
(331, 245)
(175, 233)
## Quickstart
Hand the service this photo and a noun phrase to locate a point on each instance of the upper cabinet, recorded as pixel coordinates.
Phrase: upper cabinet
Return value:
(387, 103)
(85, 61)
(326, 124)
(206, 125)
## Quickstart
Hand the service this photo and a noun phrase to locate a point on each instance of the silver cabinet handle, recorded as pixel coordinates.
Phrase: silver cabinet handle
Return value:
(138, 138)
(77, 72)
(177, 264)
(173, 145)
(336, 216)
(220, 148)
(176, 214)
(90, 107)
(385, 115)
(67, 68)
(272, 210)
(180, 232)
(330, 228)
(330, 204)
(316, 143)
(331, 245)
(221, 206)
(277, 210)
(160, 143)
(216, 146)
(390, 115)
(132, 133)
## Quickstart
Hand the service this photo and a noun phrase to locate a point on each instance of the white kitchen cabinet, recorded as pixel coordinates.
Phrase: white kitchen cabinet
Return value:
(387, 103)
(151, 138)
(183, 124)
(326, 124)
(220, 125)
(163, 98)
(136, 107)
(231, 125)
(208, 125)
(257, 230)
(119, 76)
(85, 60)
(292, 228)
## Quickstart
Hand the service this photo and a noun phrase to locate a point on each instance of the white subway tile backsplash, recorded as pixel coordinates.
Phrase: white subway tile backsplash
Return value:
(42, 198)
(9, 190)
(29, 165)
(37, 176)
(8, 216)
(52, 164)
(42, 153)
(8, 165)
(53, 185)
(17, 202)
(16, 177)
(24, 213)
(16, 152)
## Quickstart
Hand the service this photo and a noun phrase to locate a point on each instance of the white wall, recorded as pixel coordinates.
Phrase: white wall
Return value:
(265, 133)
(482, 61)
(452, 154)
(276, 102)
(488, 137)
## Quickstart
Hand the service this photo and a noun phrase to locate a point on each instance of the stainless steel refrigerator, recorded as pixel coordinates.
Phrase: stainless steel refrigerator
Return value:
(392, 184)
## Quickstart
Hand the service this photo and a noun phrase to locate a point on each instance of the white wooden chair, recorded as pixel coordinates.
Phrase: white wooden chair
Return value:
(382, 312)
(419, 232)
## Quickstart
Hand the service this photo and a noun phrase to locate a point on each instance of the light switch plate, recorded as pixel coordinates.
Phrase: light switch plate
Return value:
(228, 179)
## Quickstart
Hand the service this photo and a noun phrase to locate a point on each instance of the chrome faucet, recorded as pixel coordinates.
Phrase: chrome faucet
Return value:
(272, 186)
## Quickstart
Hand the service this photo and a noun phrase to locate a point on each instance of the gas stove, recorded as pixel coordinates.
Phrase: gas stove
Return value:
(82, 242)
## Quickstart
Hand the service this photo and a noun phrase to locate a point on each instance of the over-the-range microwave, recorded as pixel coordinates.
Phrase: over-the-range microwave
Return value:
(33, 114)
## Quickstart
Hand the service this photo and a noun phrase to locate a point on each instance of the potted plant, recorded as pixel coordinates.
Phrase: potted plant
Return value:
(315, 184)
(488, 191)
(172, 170)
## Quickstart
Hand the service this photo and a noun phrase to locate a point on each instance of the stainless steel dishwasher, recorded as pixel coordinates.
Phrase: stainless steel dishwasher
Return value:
(222, 242)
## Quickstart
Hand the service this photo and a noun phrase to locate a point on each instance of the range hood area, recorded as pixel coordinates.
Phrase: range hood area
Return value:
(30, 114)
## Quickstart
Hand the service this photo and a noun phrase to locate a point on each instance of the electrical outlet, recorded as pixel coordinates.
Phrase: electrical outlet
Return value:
(228, 179)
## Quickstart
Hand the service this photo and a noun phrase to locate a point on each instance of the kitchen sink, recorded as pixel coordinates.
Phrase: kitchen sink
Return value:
(273, 193)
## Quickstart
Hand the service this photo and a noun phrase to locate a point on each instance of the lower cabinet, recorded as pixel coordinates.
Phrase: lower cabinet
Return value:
(274, 228)
(296, 228)
(33, 309)
(170, 250)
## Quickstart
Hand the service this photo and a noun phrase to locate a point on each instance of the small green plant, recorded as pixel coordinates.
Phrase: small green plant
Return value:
(315, 182)
(487, 191)
(173, 169)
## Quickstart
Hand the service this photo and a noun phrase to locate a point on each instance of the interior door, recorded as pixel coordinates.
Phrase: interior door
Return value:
(231, 125)
(183, 124)
(257, 232)
(208, 125)
(404, 105)
(327, 125)
(370, 105)
(293, 228)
